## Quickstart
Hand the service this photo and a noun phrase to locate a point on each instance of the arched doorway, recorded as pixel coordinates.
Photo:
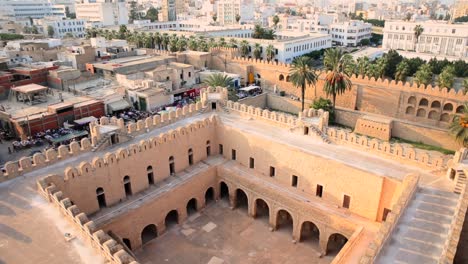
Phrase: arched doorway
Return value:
(127, 186)
(127, 243)
(101, 197)
(309, 233)
(284, 220)
(335, 243)
(209, 196)
(192, 206)
(224, 191)
(242, 201)
(149, 233)
(262, 210)
(172, 219)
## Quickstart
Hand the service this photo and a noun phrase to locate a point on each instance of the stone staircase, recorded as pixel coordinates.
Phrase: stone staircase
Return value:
(101, 143)
(319, 133)
(226, 109)
(460, 182)
(421, 232)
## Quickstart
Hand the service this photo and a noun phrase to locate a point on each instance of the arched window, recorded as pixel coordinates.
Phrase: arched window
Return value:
(287, 78)
(281, 77)
(149, 233)
(423, 102)
(149, 171)
(101, 197)
(190, 157)
(208, 148)
(435, 104)
(460, 109)
(445, 117)
(433, 115)
(448, 107)
(171, 165)
(421, 113)
(127, 185)
(410, 110)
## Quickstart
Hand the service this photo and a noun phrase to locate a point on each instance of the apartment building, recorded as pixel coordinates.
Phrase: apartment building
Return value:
(62, 28)
(350, 33)
(437, 37)
(104, 14)
(13, 10)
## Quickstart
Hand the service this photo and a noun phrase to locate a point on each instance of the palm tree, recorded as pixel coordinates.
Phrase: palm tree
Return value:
(446, 77)
(219, 79)
(459, 126)
(173, 44)
(465, 86)
(165, 40)
(423, 75)
(362, 65)
(258, 32)
(238, 17)
(203, 46)
(233, 43)
(222, 42)
(337, 80)
(302, 74)
(212, 43)
(418, 30)
(276, 20)
(402, 71)
(182, 44)
(257, 51)
(381, 65)
(270, 52)
(157, 40)
(192, 44)
(244, 47)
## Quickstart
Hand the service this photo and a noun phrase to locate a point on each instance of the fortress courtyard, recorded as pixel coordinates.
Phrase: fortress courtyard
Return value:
(222, 182)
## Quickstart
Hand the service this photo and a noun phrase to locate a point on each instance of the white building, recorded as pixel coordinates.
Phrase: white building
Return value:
(438, 38)
(105, 14)
(350, 33)
(75, 27)
(227, 11)
(30, 9)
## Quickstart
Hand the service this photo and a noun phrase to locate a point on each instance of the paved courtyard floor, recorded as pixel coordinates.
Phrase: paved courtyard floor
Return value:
(219, 235)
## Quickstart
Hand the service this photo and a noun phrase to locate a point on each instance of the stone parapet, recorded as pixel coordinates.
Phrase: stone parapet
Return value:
(409, 187)
(108, 248)
(396, 150)
(13, 169)
(456, 226)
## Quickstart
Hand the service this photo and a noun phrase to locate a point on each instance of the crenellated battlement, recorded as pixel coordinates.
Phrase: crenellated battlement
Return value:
(112, 251)
(14, 169)
(112, 158)
(396, 150)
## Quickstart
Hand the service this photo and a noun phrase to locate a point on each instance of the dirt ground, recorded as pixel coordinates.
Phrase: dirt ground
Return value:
(220, 235)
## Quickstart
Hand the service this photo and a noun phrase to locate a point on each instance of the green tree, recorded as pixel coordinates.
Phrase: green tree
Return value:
(336, 81)
(465, 86)
(461, 68)
(233, 43)
(326, 105)
(219, 79)
(68, 35)
(276, 20)
(222, 42)
(123, 31)
(461, 19)
(382, 64)
(402, 71)
(362, 66)
(392, 60)
(446, 77)
(238, 17)
(270, 52)
(244, 48)
(157, 40)
(27, 30)
(133, 15)
(192, 44)
(302, 74)
(258, 32)
(414, 65)
(459, 126)
(418, 30)
(203, 46)
(34, 30)
(423, 75)
(182, 44)
(50, 31)
(257, 52)
(152, 14)
(364, 42)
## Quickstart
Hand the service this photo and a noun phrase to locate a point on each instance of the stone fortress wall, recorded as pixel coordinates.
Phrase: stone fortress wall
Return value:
(409, 187)
(112, 251)
(415, 109)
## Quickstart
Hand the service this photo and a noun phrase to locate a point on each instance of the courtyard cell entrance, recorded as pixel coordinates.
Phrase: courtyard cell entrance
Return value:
(149, 233)
(236, 239)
